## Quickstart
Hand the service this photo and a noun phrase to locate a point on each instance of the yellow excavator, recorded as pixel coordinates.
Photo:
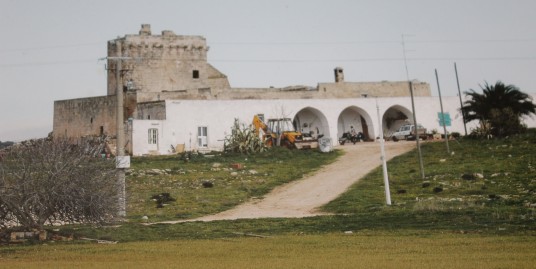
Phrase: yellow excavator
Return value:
(281, 132)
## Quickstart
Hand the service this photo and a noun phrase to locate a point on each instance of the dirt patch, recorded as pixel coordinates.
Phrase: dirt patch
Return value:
(302, 198)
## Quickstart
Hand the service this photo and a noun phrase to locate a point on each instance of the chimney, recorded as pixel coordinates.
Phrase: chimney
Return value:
(339, 74)
(167, 33)
(145, 29)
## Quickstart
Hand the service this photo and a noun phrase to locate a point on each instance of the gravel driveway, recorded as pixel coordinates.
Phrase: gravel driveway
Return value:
(303, 197)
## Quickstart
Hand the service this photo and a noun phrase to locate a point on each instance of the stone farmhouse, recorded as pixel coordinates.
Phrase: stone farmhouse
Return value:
(175, 99)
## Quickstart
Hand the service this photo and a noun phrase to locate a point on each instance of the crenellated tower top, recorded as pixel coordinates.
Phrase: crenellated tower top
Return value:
(162, 63)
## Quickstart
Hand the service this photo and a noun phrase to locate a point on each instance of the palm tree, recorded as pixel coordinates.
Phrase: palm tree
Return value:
(499, 108)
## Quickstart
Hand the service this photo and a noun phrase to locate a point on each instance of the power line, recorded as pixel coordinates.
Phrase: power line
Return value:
(51, 47)
(47, 63)
(284, 43)
(527, 58)
(301, 43)
(520, 40)
(283, 61)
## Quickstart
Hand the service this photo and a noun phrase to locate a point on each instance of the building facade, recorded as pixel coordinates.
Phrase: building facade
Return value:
(173, 98)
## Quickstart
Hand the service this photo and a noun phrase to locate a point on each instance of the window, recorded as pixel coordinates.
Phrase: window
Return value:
(195, 74)
(153, 136)
(202, 140)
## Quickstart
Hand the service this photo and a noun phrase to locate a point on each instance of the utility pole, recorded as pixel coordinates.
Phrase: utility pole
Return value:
(122, 162)
(121, 188)
(442, 120)
(460, 96)
(421, 166)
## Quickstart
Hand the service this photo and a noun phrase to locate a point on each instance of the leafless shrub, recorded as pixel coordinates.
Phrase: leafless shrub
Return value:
(46, 181)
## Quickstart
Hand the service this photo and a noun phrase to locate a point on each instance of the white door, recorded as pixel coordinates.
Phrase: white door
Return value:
(152, 139)
(202, 137)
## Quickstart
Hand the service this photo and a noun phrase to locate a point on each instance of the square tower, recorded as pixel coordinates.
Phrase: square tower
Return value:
(161, 63)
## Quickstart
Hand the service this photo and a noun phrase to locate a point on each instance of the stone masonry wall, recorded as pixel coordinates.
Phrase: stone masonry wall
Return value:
(162, 63)
(152, 111)
(371, 89)
(322, 91)
(91, 116)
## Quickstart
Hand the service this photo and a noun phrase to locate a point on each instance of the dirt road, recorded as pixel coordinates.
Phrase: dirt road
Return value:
(302, 198)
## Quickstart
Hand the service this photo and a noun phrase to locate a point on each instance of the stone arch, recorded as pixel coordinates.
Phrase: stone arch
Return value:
(358, 118)
(394, 117)
(311, 121)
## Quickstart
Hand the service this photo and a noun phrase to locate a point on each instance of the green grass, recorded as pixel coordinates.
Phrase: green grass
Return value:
(486, 184)
(484, 217)
(499, 203)
(184, 179)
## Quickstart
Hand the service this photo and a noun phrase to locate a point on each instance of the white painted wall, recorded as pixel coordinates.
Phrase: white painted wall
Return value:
(140, 137)
(185, 116)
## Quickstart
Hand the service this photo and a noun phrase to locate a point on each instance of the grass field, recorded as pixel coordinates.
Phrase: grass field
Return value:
(359, 250)
(476, 208)
(481, 184)
(234, 179)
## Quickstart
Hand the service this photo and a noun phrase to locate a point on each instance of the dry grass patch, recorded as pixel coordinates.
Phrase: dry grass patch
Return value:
(358, 250)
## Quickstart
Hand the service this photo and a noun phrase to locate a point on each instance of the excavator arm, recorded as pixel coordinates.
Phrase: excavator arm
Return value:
(259, 125)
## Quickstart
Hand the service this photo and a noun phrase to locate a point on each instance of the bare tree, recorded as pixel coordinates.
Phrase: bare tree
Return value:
(44, 181)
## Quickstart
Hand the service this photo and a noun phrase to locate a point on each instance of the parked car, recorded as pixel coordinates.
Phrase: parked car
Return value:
(407, 132)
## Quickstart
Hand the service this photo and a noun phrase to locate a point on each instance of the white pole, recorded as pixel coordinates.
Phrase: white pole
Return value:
(384, 162)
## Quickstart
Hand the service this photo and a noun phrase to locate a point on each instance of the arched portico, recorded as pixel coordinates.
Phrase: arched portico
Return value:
(311, 121)
(394, 117)
(358, 118)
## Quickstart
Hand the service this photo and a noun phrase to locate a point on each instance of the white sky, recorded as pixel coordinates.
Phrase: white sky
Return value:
(49, 50)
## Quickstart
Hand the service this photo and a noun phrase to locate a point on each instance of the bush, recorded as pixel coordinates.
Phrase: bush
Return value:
(43, 181)
(243, 139)
(505, 122)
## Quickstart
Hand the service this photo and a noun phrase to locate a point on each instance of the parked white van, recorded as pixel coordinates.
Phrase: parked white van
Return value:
(407, 132)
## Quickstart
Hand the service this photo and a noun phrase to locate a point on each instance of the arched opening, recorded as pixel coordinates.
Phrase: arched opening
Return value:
(394, 117)
(310, 121)
(357, 118)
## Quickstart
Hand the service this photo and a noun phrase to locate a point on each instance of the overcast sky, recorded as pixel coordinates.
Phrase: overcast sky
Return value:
(49, 50)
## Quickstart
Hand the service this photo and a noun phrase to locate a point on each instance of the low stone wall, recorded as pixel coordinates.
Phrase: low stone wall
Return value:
(90, 116)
